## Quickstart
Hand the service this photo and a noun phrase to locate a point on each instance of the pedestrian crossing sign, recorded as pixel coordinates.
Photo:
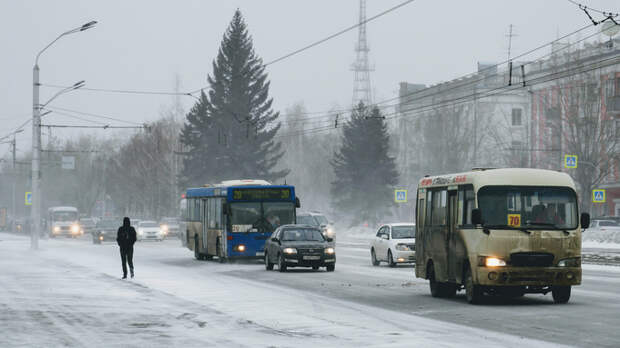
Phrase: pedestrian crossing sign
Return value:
(598, 196)
(28, 198)
(570, 161)
(400, 196)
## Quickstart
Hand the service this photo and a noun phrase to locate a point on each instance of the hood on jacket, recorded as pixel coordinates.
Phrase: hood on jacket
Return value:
(126, 222)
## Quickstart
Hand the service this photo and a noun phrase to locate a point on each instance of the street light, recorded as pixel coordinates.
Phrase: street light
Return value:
(36, 136)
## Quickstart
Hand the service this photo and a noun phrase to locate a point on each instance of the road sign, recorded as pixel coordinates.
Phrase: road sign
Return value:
(598, 196)
(400, 196)
(570, 161)
(68, 162)
(28, 198)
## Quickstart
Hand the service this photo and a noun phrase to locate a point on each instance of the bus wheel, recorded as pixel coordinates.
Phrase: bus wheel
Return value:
(281, 264)
(391, 259)
(373, 258)
(561, 294)
(473, 292)
(268, 265)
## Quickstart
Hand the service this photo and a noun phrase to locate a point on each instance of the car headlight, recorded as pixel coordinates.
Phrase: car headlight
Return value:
(140, 231)
(489, 261)
(75, 229)
(330, 232)
(402, 247)
(164, 228)
(56, 228)
(289, 251)
(330, 251)
(570, 262)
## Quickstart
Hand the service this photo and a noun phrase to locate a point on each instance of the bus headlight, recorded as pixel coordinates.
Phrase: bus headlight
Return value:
(490, 261)
(330, 251)
(289, 251)
(75, 229)
(570, 262)
(402, 247)
(56, 229)
(240, 248)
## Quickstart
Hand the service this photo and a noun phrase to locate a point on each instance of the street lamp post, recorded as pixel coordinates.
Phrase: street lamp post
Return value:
(36, 139)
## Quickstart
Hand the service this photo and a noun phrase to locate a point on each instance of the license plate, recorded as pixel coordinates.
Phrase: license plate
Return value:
(260, 253)
(312, 257)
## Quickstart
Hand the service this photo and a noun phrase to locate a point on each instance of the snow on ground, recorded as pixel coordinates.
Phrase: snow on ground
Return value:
(69, 294)
(599, 245)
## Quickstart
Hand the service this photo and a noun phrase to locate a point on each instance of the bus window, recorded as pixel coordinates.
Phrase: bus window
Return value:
(468, 204)
(460, 208)
(420, 217)
(218, 213)
(429, 203)
(211, 208)
(439, 208)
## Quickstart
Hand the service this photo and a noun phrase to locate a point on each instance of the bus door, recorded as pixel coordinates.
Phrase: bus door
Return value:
(204, 209)
(451, 235)
(438, 243)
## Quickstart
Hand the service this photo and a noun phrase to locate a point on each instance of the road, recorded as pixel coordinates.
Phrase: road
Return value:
(70, 291)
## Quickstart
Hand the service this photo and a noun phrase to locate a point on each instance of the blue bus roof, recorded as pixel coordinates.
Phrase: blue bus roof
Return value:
(226, 191)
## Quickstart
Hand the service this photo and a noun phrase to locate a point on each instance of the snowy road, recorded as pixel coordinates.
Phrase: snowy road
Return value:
(68, 294)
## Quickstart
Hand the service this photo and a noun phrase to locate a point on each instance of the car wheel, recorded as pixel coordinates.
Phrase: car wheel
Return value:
(315, 267)
(473, 292)
(373, 258)
(281, 264)
(561, 294)
(330, 268)
(268, 265)
(391, 259)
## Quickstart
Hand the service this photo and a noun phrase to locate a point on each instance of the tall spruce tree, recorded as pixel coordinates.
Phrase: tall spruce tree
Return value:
(365, 173)
(229, 133)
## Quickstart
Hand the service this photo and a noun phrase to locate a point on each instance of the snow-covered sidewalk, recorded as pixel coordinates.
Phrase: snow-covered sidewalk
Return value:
(68, 294)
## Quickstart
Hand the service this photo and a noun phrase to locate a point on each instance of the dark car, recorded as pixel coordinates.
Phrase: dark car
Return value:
(105, 230)
(299, 246)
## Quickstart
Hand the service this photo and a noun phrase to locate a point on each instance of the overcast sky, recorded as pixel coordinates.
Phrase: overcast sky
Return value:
(144, 45)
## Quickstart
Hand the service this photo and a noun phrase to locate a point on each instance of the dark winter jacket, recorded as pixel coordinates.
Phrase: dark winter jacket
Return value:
(126, 235)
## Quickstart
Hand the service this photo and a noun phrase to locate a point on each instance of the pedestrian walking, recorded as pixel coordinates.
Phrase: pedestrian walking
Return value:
(126, 237)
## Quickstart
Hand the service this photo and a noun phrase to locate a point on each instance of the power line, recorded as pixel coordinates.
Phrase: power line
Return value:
(96, 127)
(56, 108)
(121, 91)
(584, 7)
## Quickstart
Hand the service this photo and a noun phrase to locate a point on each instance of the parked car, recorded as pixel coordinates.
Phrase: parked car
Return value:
(393, 243)
(105, 230)
(170, 227)
(603, 225)
(318, 220)
(149, 230)
(299, 246)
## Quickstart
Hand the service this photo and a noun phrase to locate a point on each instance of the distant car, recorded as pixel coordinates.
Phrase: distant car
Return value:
(149, 230)
(318, 220)
(170, 226)
(299, 246)
(393, 243)
(105, 230)
(87, 225)
(603, 225)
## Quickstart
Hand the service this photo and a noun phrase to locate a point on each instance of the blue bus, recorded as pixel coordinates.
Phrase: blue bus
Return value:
(232, 220)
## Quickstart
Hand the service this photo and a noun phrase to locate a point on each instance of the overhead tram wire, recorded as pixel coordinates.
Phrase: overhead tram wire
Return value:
(467, 98)
(581, 6)
(88, 114)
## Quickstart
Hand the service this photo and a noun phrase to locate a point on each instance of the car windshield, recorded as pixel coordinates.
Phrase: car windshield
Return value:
(322, 219)
(305, 234)
(400, 232)
(65, 216)
(528, 206)
(108, 223)
(148, 224)
(264, 217)
(307, 220)
(609, 224)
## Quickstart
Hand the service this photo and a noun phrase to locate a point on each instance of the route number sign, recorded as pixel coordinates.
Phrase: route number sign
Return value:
(514, 220)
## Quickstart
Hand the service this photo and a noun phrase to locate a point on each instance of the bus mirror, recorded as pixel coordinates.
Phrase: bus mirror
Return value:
(297, 203)
(476, 216)
(585, 220)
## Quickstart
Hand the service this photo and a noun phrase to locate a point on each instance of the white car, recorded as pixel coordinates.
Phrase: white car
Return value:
(393, 243)
(149, 230)
(603, 231)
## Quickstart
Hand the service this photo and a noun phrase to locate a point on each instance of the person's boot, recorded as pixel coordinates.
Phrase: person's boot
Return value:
(131, 270)
(124, 276)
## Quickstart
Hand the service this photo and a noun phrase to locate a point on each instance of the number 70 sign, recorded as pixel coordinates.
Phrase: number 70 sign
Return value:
(514, 220)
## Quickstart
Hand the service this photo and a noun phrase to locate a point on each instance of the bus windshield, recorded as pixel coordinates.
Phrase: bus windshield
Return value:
(65, 216)
(262, 216)
(528, 206)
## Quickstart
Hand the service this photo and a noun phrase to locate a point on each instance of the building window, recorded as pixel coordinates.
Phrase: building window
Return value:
(516, 117)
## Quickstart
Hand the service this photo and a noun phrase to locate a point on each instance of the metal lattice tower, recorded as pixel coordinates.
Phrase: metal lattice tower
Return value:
(361, 85)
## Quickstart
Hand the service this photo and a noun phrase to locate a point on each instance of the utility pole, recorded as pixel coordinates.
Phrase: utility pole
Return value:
(510, 36)
(35, 216)
(361, 85)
